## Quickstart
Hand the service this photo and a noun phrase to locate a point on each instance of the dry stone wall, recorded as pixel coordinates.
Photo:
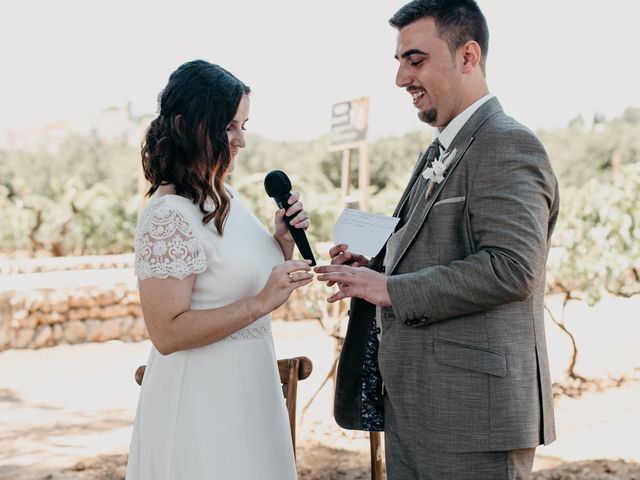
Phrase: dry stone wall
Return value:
(45, 317)
(40, 310)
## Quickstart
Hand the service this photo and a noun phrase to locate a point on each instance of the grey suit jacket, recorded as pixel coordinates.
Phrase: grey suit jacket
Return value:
(463, 352)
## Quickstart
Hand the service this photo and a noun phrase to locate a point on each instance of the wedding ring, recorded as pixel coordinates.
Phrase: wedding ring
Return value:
(291, 280)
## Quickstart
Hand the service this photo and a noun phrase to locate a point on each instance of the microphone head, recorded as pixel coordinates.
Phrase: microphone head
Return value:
(276, 183)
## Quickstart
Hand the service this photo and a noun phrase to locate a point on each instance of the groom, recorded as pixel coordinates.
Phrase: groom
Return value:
(456, 296)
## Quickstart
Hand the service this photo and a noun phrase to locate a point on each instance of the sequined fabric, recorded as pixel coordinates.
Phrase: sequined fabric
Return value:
(371, 393)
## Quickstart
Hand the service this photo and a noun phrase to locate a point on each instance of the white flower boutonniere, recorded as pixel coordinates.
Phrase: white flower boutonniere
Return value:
(435, 173)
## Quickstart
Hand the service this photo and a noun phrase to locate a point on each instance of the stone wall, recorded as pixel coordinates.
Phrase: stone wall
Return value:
(68, 305)
(40, 318)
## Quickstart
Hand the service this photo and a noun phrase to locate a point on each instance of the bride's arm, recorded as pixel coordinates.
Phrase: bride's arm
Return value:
(300, 220)
(173, 326)
(285, 245)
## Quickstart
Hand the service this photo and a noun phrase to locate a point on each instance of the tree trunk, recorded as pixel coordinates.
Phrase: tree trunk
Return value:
(561, 324)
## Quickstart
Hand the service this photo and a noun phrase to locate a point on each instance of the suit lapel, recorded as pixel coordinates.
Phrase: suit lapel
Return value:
(423, 206)
(377, 261)
(461, 143)
(414, 177)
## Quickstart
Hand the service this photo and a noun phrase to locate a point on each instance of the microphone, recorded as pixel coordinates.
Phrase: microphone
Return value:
(278, 187)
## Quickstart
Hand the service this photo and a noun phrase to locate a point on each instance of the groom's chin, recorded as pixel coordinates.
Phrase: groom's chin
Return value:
(430, 116)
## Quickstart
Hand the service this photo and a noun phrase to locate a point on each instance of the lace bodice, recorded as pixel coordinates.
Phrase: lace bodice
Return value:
(258, 329)
(172, 241)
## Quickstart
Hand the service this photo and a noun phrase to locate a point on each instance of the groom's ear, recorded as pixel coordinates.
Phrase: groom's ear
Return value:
(471, 56)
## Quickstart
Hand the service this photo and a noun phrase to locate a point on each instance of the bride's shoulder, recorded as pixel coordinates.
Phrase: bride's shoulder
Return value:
(170, 208)
(170, 202)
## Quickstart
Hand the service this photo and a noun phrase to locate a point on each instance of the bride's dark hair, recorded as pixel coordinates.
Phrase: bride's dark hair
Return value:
(186, 144)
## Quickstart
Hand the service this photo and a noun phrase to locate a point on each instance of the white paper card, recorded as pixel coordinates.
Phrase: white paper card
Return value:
(365, 233)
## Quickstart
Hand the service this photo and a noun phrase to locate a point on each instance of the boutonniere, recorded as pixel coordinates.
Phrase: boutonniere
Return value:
(435, 173)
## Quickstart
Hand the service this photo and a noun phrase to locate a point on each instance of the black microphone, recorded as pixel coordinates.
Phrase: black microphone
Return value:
(278, 187)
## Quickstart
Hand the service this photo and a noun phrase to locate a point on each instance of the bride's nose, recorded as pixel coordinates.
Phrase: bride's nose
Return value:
(238, 140)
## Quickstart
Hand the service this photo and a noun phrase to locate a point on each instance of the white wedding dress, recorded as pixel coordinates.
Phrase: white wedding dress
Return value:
(215, 412)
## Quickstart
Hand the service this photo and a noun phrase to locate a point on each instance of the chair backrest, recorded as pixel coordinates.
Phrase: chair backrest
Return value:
(291, 370)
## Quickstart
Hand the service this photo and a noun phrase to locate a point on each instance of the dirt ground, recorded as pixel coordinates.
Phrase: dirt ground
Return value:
(66, 412)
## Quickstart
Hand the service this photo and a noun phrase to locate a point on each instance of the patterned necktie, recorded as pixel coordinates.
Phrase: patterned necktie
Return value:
(433, 152)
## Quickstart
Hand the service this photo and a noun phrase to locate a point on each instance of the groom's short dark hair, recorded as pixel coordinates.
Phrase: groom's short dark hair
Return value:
(458, 21)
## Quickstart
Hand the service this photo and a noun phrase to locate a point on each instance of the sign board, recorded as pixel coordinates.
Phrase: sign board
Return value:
(349, 123)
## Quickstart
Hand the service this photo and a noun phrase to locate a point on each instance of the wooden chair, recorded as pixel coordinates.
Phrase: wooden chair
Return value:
(291, 370)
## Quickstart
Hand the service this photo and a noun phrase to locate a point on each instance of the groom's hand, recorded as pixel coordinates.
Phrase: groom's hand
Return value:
(355, 282)
(341, 256)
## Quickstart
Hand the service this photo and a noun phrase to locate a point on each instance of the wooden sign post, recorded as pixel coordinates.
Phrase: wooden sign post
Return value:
(349, 124)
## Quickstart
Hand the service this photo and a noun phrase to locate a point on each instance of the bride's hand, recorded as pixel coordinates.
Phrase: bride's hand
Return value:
(300, 218)
(284, 279)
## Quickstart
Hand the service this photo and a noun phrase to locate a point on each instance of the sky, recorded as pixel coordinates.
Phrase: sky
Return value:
(549, 60)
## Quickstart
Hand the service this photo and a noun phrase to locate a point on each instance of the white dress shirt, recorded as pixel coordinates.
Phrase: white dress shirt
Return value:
(447, 135)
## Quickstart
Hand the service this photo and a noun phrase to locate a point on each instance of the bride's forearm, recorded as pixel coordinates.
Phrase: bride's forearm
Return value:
(286, 246)
(198, 328)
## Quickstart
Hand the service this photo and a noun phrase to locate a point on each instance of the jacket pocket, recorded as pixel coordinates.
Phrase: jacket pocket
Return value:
(449, 200)
(470, 357)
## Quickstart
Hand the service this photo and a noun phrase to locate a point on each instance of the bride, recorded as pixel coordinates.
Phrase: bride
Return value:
(209, 275)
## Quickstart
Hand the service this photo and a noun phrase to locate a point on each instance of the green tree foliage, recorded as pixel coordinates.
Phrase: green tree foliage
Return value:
(596, 245)
(580, 154)
(597, 241)
(77, 198)
(80, 197)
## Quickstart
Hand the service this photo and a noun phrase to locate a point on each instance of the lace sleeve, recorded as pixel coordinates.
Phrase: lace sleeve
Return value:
(166, 246)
